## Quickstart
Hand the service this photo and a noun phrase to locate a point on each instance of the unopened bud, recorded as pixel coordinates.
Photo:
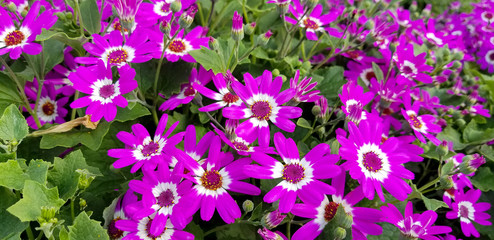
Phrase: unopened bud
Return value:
(176, 6)
(85, 178)
(311, 3)
(12, 7)
(127, 24)
(471, 163)
(456, 65)
(82, 203)
(316, 110)
(460, 122)
(442, 149)
(47, 213)
(268, 235)
(339, 233)
(248, 206)
(343, 219)
(60, 16)
(165, 27)
(237, 27)
(276, 72)
(446, 182)
(213, 43)
(272, 219)
(249, 28)
(263, 39)
(69, 15)
(458, 56)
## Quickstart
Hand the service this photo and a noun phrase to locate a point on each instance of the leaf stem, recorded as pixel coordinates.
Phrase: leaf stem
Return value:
(29, 233)
(429, 184)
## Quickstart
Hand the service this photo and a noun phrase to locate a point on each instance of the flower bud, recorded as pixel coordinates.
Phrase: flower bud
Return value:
(456, 65)
(248, 206)
(339, 233)
(187, 17)
(47, 214)
(82, 203)
(85, 178)
(311, 3)
(316, 110)
(12, 7)
(442, 149)
(165, 27)
(24, 13)
(249, 28)
(460, 122)
(272, 219)
(176, 6)
(127, 24)
(213, 44)
(471, 163)
(69, 15)
(458, 56)
(263, 39)
(342, 218)
(237, 27)
(446, 182)
(268, 235)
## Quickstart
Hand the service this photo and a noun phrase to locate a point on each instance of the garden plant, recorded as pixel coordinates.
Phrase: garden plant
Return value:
(246, 119)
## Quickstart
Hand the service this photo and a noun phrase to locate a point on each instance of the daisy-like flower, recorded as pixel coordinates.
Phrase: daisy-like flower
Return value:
(468, 210)
(161, 193)
(364, 219)
(242, 145)
(181, 45)
(299, 175)
(313, 22)
(104, 94)
(421, 125)
(155, 11)
(375, 163)
(263, 102)
(411, 67)
(354, 100)
(188, 92)
(115, 52)
(119, 213)
(127, 10)
(17, 40)
(225, 98)
(266, 234)
(303, 89)
(50, 109)
(212, 179)
(414, 225)
(140, 229)
(143, 150)
(192, 148)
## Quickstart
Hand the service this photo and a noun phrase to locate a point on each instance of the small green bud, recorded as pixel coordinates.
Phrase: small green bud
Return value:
(447, 168)
(85, 178)
(165, 27)
(460, 122)
(82, 203)
(176, 6)
(69, 15)
(214, 44)
(343, 219)
(248, 206)
(249, 28)
(316, 110)
(276, 72)
(456, 65)
(47, 214)
(446, 182)
(24, 13)
(442, 149)
(127, 24)
(12, 7)
(458, 56)
(339, 233)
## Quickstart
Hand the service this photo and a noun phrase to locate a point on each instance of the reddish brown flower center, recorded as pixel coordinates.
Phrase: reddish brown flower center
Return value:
(48, 108)
(212, 180)
(230, 98)
(240, 146)
(415, 121)
(14, 38)
(407, 70)
(113, 231)
(370, 75)
(463, 211)
(261, 110)
(491, 56)
(177, 46)
(189, 91)
(150, 148)
(148, 230)
(330, 211)
(488, 15)
(166, 198)
(166, 7)
(310, 24)
(372, 162)
(117, 56)
(107, 91)
(293, 173)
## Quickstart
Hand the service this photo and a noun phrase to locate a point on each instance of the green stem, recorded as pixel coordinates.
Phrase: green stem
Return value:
(227, 225)
(314, 48)
(288, 228)
(29, 232)
(247, 54)
(211, 12)
(245, 12)
(40, 235)
(201, 15)
(72, 212)
(74, 111)
(333, 49)
(231, 54)
(429, 184)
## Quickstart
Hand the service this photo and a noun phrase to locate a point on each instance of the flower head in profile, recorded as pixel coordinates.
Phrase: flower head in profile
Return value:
(182, 44)
(237, 26)
(375, 163)
(411, 67)
(313, 22)
(263, 102)
(224, 97)
(298, 175)
(414, 225)
(127, 10)
(142, 150)
(422, 125)
(303, 88)
(354, 100)
(18, 38)
(104, 95)
(469, 210)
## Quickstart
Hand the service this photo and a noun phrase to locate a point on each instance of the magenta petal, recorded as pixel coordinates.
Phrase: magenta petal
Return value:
(32, 48)
(309, 231)
(208, 205)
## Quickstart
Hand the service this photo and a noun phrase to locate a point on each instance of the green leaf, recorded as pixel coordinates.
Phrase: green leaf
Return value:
(390, 232)
(301, 122)
(451, 135)
(51, 55)
(35, 196)
(257, 213)
(330, 80)
(12, 175)
(90, 16)
(38, 170)
(477, 133)
(75, 43)
(377, 70)
(239, 231)
(177, 73)
(433, 204)
(196, 230)
(88, 137)
(209, 59)
(85, 228)
(7, 156)
(13, 126)
(8, 92)
(131, 113)
(487, 151)
(64, 174)
(484, 179)
(12, 227)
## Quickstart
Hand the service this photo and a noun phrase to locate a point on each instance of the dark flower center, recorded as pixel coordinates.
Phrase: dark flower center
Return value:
(165, 198)
(407, 70)
(370, 75)
(415, 121)
(261, 110)
(353, 54)
(166, 7)
(150, 148)
(117, 26)
(491, 56)
(212, 180)
(113, 231)
(372, 162)
(177, 46)
(330, 211)
(310, 24)
(488, 15)
(383, 139)
(148, 228)
(48, 108)
(463, 211)
(117, 56)
(14, 38)
(240, 146)
(107, 91)
(293, 173)
(230, 98)
(189, 91)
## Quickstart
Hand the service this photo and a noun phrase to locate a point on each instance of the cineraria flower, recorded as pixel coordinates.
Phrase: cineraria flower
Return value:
(421, 125)
(411, 67)
(180, 46)
(273, 219)
(313, 22)
(266, 234)
(468, 210)
(354, 100)
(192, 148)
(161, 193)
(389, 90)
(212, 179)
(375, 164)
(303, 89)
(364, 219)
(263, 102)
(188, 92)
(299, 176)
(144, 151)
(281, 5)
(126, 10)
(50, 109)
(120, 212)
(115, 52)
(104, 94)
(140, 229)
(150, 13)
(17, 40)
(237, 27)
(414, 225)
(225, 98)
